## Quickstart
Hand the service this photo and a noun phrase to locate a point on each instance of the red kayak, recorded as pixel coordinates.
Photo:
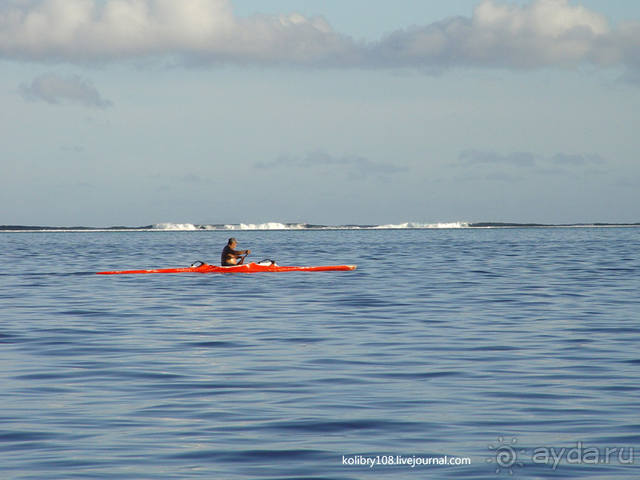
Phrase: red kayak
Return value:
(248, 268)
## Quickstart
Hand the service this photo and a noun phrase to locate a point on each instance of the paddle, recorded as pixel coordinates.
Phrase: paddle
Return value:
(242, 257)
(199, 263)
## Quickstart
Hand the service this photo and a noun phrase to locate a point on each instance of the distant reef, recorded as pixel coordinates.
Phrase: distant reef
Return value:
(53, 229)
(539, 225)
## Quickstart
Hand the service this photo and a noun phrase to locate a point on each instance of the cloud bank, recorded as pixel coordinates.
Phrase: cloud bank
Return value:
(530, 162)
(56, 89)
(539, 34)
(355, 167)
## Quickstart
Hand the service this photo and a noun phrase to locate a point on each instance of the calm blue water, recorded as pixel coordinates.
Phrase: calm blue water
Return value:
(467, 343)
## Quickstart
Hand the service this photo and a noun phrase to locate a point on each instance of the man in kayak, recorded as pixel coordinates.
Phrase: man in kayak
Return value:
(231, 256)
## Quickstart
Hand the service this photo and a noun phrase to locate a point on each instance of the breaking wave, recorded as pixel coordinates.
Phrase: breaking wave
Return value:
(184, 227)
(301, 226)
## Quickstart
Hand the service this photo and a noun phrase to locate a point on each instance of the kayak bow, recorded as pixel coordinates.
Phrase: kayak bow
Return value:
(248, 268)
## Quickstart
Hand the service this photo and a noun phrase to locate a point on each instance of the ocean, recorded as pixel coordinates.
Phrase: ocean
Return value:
(472, 353)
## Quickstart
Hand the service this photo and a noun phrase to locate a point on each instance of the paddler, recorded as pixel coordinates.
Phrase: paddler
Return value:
(231, 256)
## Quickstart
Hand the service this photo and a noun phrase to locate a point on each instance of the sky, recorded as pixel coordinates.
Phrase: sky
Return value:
(134, 112)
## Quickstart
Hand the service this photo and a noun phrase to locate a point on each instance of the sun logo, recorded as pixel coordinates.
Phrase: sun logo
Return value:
(505, 455)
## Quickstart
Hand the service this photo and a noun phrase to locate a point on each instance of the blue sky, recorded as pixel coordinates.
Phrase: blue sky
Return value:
(215, 111)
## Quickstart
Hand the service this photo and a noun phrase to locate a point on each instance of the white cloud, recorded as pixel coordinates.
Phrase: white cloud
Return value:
(541, 33)
(56, 89)
(87, 30)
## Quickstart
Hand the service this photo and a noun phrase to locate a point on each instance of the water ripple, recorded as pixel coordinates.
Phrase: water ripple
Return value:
(461, 340)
